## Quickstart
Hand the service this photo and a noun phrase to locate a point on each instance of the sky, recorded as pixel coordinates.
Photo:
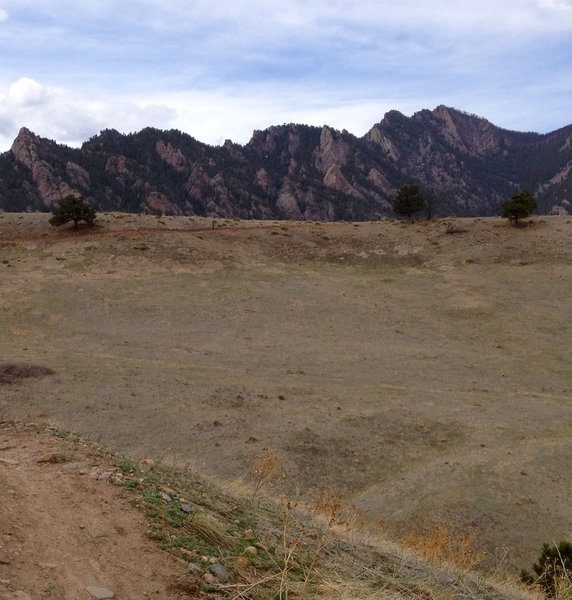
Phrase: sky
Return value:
(219, 69)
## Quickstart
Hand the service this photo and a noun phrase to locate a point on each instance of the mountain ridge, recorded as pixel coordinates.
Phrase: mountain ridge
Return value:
(467, 165)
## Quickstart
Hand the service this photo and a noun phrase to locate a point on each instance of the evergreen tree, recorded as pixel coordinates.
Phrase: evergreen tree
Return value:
(73, 208)
(409, 200)
(520, 207)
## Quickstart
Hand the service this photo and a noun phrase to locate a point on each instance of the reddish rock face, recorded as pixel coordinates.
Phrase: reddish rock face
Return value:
(50, 187)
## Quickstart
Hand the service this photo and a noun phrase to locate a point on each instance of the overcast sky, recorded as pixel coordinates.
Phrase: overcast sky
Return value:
(219, 69)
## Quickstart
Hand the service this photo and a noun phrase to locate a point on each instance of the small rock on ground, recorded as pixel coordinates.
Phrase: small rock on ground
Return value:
(15, 596)
(220, 571)
(100, 593)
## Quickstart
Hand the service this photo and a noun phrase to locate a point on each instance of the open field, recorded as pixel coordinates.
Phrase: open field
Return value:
(425, 375)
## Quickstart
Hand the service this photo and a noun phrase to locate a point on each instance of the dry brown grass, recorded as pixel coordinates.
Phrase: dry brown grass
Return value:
(439, 546)
(376, 359)
(266, 470)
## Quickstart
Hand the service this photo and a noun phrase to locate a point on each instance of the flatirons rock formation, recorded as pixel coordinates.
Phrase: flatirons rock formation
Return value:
(465, 164)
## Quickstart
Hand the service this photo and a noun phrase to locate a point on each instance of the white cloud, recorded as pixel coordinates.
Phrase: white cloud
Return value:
(26, 92)
(69, 117)
(558, 4)
(4, 16)
(221, 69)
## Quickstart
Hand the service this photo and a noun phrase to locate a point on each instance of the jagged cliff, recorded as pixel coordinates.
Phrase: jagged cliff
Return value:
(466, 164)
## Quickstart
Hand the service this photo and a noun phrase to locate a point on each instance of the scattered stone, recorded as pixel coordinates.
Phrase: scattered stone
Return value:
(219, 571)
(169, 491)
(4, 560)
(248, 534)
(194, 568)
(72, 466)
(242, 561)
(8, 461)
(100, 593)
(251, 550)
(148, 461)
(166, 497)
(213, 560)
(187, 508)
(208, 578)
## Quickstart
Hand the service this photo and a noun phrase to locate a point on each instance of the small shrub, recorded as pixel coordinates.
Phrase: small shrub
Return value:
(454, 228)
(127, 466)
(553, 571)
(12, 372)
(265, 470)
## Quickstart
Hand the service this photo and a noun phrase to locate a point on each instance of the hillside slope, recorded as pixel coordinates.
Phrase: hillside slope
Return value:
(70, 528)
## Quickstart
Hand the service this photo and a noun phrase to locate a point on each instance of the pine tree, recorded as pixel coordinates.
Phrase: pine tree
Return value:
(520, 207)
(409, 200)
(73, 208)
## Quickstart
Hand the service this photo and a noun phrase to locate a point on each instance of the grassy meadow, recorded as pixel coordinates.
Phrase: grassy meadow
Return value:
(423, 371)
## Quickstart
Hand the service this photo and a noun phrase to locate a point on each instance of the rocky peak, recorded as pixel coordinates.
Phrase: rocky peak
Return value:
(468, 132)
(26, 149)
(333, 150)
(376, 135)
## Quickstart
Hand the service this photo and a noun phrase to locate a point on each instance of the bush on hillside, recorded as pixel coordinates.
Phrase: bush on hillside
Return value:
(553, 569)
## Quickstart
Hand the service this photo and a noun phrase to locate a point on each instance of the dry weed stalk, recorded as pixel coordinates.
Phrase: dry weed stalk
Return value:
(266, 470)
(563, 588)
(289, 546)
(326, 508)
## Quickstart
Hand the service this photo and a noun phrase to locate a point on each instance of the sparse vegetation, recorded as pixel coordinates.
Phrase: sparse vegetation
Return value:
(400, 334)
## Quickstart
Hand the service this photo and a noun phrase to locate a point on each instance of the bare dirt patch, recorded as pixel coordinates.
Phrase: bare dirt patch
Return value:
(64, 530)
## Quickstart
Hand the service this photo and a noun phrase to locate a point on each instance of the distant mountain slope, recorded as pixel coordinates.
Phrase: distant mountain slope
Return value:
(463, 162)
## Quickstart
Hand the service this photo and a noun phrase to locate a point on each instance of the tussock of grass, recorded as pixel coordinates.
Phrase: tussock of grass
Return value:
(12, 372)
(201, 528)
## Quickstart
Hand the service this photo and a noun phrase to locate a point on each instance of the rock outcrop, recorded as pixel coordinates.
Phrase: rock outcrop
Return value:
(51, 188)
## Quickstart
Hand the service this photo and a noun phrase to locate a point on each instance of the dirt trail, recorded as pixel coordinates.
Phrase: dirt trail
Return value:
(64, 530)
